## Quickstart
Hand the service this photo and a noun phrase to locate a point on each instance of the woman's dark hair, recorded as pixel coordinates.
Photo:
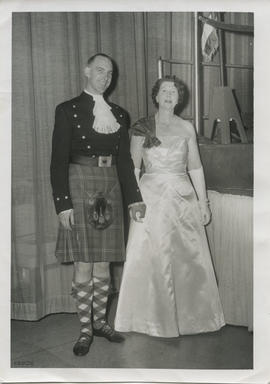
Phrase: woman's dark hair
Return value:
(180, 86)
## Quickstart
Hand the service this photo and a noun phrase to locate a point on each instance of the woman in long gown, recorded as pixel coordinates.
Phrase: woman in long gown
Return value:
(169, 286)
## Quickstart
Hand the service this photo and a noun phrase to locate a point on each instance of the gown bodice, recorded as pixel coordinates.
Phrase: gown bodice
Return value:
(169, 157)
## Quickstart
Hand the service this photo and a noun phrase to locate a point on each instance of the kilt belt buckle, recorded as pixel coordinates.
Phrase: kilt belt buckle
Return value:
(105, 161)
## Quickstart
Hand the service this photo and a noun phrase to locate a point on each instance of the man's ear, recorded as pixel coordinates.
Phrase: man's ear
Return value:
(87, 71)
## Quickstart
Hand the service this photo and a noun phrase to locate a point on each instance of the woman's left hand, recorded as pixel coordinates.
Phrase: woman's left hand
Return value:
(205, 212)
(137, 211)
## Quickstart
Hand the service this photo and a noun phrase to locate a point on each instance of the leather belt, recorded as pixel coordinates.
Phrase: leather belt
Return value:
(94, 161)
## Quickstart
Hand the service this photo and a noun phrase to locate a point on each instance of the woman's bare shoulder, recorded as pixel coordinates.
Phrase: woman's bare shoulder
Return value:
(186, 126)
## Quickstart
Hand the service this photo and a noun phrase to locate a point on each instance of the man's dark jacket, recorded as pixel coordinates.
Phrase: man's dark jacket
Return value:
(74, 135)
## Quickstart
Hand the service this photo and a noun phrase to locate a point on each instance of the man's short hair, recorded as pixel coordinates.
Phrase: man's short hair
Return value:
(92, 58)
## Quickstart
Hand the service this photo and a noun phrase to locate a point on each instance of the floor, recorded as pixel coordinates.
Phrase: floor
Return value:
(48, 344)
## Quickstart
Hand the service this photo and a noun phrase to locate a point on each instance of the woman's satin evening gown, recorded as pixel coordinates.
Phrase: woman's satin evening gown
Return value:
(169, 286)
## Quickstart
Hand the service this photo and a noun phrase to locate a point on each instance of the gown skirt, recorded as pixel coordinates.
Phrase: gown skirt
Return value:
(169, 286)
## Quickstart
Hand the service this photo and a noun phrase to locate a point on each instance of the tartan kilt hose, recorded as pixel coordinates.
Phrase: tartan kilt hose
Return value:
(85, 243)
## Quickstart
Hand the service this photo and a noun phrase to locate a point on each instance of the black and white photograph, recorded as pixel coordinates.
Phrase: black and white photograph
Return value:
(132, 145)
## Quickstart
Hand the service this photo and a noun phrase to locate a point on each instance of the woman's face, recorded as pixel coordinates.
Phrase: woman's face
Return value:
(167, 96)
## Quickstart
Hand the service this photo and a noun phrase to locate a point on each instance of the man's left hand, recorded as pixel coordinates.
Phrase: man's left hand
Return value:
(137, 211)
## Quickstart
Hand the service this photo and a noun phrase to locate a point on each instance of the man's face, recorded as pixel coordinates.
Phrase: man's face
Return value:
(99, 75)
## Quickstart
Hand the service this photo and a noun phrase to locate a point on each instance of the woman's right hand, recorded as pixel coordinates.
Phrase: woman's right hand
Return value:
(205, 212)
(66, 218)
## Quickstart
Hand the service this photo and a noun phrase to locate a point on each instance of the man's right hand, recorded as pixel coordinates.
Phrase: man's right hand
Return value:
(66, 218)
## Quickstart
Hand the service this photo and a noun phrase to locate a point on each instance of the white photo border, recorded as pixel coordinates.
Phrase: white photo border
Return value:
(261, 371)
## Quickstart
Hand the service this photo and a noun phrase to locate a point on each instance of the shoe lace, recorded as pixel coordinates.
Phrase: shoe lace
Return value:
(84, 337)
(108, 330)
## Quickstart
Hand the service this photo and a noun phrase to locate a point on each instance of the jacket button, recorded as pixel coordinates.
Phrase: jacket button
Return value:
(75, 115)
(83, 137)
(88, 146)
(78, 126)
(74, 106)
(58, 198)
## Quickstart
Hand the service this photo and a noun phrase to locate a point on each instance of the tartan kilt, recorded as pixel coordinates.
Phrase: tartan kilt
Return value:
(86, 243)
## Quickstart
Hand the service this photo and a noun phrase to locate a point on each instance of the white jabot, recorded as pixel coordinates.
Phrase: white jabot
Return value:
(104, 122)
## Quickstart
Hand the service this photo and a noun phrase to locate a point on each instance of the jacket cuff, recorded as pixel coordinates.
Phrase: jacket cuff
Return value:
(62, 203)
(134, 204)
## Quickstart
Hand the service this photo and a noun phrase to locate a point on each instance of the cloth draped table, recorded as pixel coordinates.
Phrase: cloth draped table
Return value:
(230, 236)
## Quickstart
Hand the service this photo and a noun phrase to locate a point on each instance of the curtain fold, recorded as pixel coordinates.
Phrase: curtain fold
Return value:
(49, 52)
(122, 38)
